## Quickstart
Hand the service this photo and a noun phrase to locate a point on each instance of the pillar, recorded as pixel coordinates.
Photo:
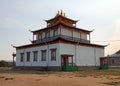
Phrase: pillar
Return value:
(14, 55)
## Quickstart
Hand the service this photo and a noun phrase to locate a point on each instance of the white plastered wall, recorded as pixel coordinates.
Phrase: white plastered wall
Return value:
(84, 36)
(83, 55)
(39, 62)
(76, 34)
(66, 32)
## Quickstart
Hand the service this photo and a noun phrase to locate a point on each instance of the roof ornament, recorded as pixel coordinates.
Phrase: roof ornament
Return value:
(58, 12)
(61, 13)
(64, 15)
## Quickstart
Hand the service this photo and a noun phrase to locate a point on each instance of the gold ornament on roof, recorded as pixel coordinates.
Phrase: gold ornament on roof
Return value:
(60, 13)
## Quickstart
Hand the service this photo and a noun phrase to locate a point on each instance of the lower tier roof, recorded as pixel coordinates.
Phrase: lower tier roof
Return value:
(60, 40)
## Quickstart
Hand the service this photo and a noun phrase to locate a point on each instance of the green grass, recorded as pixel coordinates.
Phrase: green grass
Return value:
(9, 78)
(114, 72)
(2, 77)
(113, 83)
(5, 68)
(85, 73)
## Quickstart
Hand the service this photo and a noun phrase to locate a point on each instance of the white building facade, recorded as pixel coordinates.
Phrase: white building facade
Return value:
(58, 45)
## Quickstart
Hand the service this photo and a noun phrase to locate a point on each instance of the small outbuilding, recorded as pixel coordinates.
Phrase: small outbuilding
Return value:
(112, 61)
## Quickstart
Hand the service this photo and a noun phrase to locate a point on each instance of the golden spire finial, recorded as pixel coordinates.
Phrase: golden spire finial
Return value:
(58, 12)
(64, 15)
(61, 12)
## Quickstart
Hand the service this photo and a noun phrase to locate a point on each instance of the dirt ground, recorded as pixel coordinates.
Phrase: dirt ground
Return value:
(59, 79)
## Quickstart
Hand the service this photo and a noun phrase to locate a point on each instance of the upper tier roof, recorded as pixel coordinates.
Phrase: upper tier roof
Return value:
(61, 19)
(64, 25)
(62, 16)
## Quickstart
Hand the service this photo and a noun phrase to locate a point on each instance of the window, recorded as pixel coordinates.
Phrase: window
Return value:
(39, 36)
(35, 55)
(113, 61)
(46, 34)
(43, 55)
(53, 54)
(55, 32)
(28, 56)
(21, 57)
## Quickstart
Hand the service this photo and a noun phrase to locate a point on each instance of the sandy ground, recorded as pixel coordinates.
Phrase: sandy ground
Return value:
(54, 79)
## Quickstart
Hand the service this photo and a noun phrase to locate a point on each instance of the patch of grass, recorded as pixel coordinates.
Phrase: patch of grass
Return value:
(96, 77)
(2, 77)
(38, 79)
(9, 78)
(117, 78)
(112, 83)
(114, 72)
(70, 77)
(5, 68)
(81, 76)
(59, 76)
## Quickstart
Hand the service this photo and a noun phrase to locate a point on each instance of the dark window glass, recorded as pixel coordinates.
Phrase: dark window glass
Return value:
(21, 57)
(43, 53)
(28, 56)
(53, 54)
(35, 55)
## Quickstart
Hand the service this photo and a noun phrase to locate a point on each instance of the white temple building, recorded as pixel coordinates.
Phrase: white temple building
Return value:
(60, 46)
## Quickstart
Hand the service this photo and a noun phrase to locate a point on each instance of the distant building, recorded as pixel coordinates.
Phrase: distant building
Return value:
(58, 45)
(111, 60)
(114, 59)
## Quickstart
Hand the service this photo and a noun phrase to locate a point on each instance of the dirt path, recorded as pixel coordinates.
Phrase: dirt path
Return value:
(57, 79)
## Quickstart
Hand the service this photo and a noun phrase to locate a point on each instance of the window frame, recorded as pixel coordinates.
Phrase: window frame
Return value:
(55, 32)
(42, 55)
(35, 56)
(27, 56)
(113, 61)
(21, 57)
(53, 57)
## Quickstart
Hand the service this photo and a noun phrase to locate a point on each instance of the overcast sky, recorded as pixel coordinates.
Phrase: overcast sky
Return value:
(17, 17)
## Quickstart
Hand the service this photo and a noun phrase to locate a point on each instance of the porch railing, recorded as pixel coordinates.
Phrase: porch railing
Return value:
(62, 36)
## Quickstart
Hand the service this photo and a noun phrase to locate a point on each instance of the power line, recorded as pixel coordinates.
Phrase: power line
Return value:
(107, 41)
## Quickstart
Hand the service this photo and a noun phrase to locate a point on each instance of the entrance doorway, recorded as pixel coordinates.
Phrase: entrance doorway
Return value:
(67, 63)
(66, 60)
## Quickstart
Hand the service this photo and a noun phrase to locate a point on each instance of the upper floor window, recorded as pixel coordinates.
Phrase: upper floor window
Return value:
(55, 32)
(113, 61)
(39, 36)
(35, 55)
(43, 53)
(46, 35)
(53, 54)
(28, 56)
(21, 57)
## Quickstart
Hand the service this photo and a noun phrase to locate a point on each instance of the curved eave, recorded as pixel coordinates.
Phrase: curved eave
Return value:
(60, 40)
(48, 21)
(80, 29)
(83, 43)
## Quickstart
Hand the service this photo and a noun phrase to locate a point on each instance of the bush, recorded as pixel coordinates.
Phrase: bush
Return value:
(5, 64)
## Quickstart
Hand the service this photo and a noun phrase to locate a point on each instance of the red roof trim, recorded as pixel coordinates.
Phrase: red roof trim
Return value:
(75, 28)
(62, 17)
(60, 40)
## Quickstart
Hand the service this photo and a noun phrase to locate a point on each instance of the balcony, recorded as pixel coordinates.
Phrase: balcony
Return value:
(63, 37)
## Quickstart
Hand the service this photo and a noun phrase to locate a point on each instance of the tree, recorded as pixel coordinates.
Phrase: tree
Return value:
(5, 64)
